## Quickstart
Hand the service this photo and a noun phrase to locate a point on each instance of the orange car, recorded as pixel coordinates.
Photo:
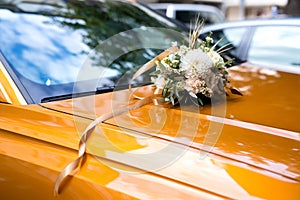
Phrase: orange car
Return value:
(68, 132)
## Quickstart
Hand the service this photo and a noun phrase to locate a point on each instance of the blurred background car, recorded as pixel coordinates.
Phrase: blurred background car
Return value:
(241, 9)
(274, 42)
(186, 13)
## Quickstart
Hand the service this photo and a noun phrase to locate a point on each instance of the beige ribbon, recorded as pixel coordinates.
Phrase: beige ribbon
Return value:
(149, 65)
(75, 165)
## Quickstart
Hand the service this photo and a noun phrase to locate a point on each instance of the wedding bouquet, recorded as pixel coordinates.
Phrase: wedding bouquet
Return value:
(195, 72)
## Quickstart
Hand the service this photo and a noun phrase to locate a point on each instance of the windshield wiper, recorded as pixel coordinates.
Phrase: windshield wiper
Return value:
(67, 96)
(105, 89)
(99, 90)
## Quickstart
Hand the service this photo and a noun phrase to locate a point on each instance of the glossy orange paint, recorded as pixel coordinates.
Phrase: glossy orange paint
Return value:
(154, 148)
(36, 144)
(9, 92)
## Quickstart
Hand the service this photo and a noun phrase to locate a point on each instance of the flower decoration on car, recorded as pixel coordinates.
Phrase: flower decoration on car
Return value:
(195, 72)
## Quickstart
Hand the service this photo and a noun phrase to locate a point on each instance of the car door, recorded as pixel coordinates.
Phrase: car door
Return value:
(237, 39)
(278, 45)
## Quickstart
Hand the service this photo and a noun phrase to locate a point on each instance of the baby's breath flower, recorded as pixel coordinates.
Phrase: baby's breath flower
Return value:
(195, 86)
(183, 50)
(180, 85)
(216, 58)
(209, 39)
(160, 81)
(206, 49)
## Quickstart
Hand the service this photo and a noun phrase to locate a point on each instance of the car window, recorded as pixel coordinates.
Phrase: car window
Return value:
(232, 35)
(162, 11)
(186, 16)
(276, 44)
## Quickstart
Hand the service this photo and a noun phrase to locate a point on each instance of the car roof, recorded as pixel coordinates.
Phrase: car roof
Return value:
(181, 6)
(188, 7)
(283, 21)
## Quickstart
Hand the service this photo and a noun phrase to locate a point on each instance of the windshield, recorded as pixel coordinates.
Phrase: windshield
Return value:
(47, 45)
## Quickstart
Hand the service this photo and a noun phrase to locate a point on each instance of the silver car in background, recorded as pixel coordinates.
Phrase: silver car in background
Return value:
(274, 41)
(186, 13)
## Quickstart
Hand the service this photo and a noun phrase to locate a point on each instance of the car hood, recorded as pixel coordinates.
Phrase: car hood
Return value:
(254, 145)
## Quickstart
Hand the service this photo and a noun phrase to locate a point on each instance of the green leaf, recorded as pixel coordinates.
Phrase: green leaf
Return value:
(164, 91)
(200, 101)
(162, 67)
(172, 101)
(235, 91)
(176, 92)
(157, 72)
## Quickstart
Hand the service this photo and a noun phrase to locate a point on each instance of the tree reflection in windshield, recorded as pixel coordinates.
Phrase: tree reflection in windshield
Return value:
(104, 20)
(47, 50)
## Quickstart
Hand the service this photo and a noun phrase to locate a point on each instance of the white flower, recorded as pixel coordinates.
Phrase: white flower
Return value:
(180, 85)
(183, 50)
(196, 63)
(216, 58)
(209, 39)
(206, 49)
(160, 82)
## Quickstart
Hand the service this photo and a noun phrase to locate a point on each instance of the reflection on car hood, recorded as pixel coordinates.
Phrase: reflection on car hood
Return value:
(258, 144)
